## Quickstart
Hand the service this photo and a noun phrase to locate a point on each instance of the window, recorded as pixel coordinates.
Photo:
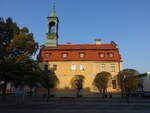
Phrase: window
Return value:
(82, 55)
(111, 55)
(52, 28)
(112, 67)
(82, 67)
(64, 55)
(114, 84)
(45, 67)
(47, 55)
(53, 67)
(101, 55)
(73, 67)
(102, 67)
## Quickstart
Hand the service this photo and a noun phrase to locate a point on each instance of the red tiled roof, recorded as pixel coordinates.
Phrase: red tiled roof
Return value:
(91, 52)
(82, 46)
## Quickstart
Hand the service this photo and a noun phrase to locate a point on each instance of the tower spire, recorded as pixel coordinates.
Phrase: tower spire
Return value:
(53, 13)
(52, 31)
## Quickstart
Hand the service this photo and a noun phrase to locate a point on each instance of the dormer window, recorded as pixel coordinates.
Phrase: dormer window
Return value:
(82, 55)
(64, 55)
(101, 55)
(47, 55)
(111, 54)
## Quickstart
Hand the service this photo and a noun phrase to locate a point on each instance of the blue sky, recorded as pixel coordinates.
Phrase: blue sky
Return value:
(127, 22)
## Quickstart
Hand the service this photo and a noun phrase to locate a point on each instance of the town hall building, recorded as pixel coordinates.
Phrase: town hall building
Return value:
(68, 60)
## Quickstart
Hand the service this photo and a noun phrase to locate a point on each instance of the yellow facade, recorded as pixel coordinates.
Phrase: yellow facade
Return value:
(65, 73)
(78, 59)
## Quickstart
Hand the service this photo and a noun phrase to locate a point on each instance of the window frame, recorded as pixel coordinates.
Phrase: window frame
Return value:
(112, 67)
(52, 67)
(62, 55)
(47, 55)
(82, 53)
(82, 67)
(101, 53)
(103, 67)
(73, 67)
(110, 54)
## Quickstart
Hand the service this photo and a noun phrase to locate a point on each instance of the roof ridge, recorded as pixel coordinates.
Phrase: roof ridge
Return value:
(85, 44)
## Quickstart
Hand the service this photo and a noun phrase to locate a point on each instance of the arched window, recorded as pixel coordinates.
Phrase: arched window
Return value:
(52, 27)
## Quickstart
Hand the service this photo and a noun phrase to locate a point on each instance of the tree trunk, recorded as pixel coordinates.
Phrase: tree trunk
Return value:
(4, 91)
(31, 93)
(48, 94)
(122, 95)
(103, 91)
(78, 92)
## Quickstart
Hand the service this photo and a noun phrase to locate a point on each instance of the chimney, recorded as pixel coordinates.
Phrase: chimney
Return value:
(98, 41)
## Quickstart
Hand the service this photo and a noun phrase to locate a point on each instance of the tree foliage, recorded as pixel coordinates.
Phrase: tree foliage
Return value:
(101, 81)
(128, 80)
(17, 46)
(77, 83)
(48, 80)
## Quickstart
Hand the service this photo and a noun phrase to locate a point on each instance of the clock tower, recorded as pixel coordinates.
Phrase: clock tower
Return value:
(52, 31)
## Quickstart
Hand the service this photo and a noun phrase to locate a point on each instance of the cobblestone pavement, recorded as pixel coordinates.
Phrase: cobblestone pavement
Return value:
(77, 107)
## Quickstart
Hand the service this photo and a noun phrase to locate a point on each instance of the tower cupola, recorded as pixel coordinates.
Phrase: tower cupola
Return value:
(52, 29)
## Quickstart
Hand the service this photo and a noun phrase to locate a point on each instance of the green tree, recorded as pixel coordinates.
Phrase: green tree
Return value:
(101, 81)
(6, 73)
(49, 81)
(15, 43)
(77, 83)
(128, 80)
(30, 73)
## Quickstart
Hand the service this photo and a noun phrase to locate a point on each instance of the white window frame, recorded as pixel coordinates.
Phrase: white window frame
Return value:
(112, 67)
(101, 55)
(47, 55)
(82, 67)
(64, 55)
(73, 67)
(103, 67)
(82, 55)
(111, 55)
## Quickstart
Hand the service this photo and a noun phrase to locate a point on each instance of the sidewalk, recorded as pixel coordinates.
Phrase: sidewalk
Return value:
(11, 100)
